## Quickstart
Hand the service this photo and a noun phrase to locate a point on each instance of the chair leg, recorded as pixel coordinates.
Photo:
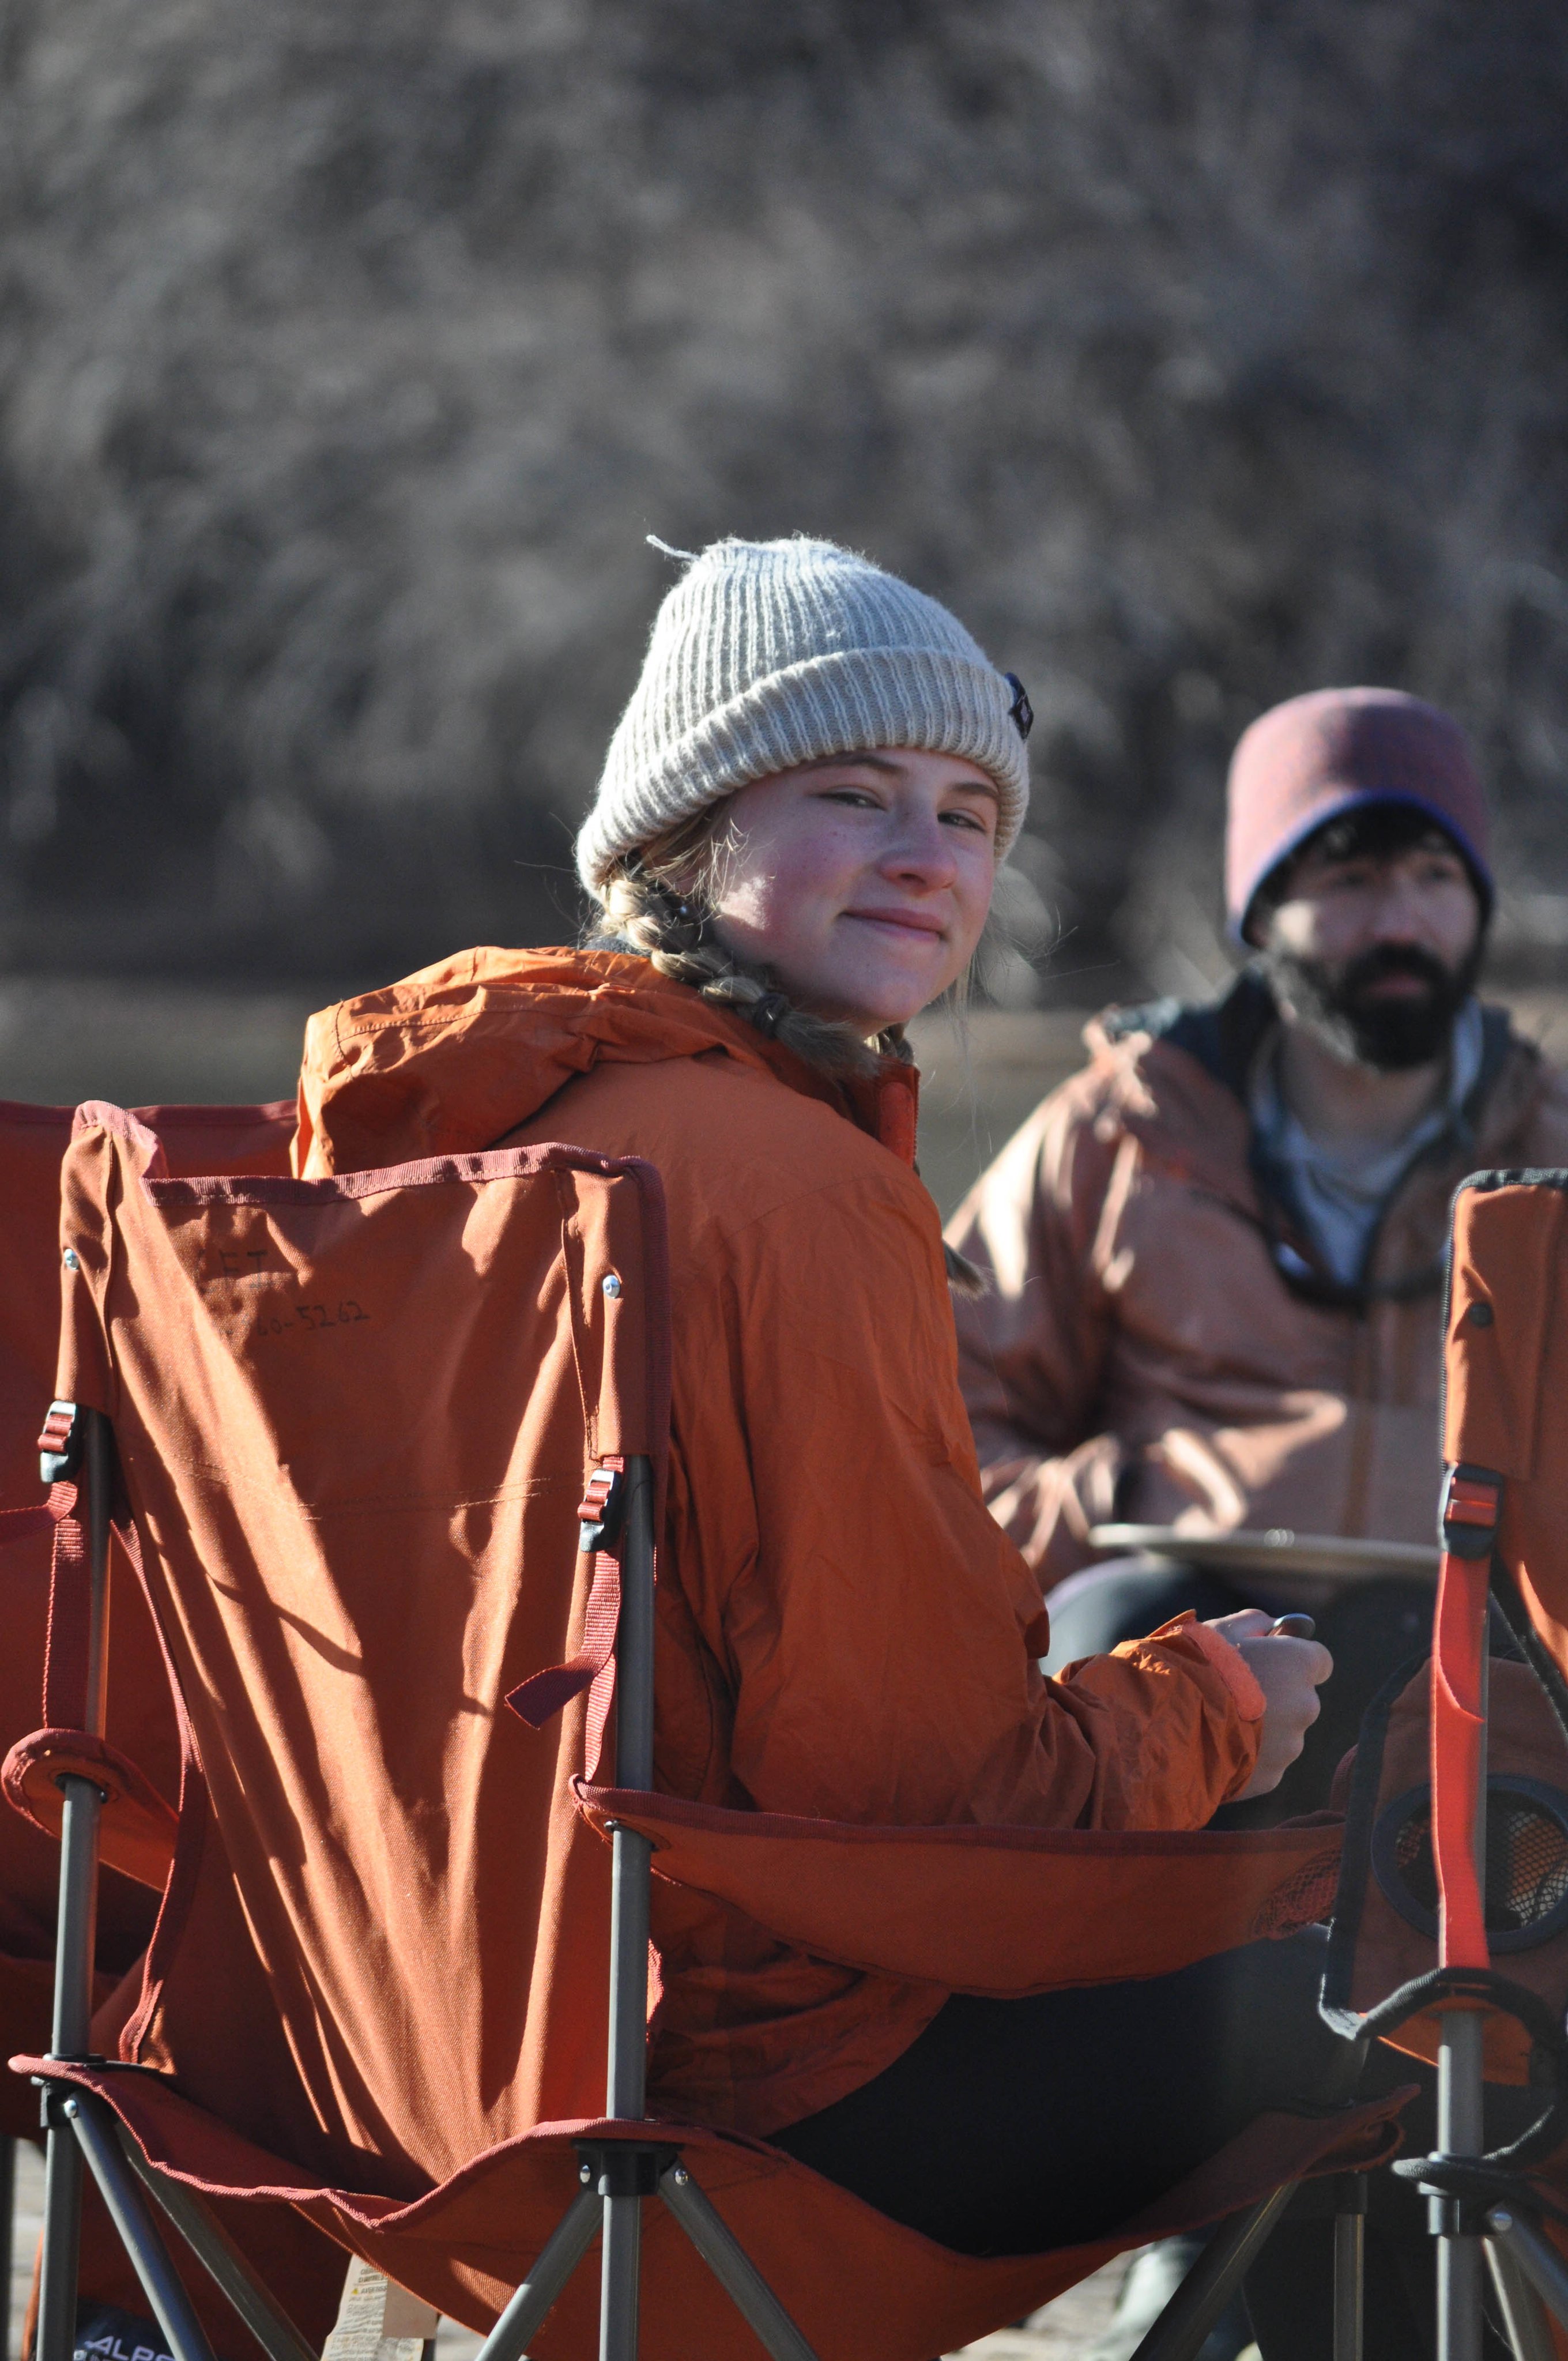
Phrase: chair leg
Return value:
(7, 2234)
(216, 2250)
(132, 2216)
(1525, 2322)
(1461, 2132)
(732, 2267)
(1178, 2332)
(558, 2258)
(1350, 2268)
(1538, 2259)
(622, 2270)
(62, 2244)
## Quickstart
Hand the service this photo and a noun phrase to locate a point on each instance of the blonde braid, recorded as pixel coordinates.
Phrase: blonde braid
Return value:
(675, 936)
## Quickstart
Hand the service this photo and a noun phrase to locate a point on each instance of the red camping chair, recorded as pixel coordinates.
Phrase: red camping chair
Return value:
(32, 1141)
(1474, 1855)
(351, 1430)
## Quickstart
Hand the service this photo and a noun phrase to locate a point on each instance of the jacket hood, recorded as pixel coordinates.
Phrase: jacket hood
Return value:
(455, 1056)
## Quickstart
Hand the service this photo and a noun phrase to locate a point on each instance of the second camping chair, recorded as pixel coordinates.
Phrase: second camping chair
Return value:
(1451, 1931)
(389, 1450)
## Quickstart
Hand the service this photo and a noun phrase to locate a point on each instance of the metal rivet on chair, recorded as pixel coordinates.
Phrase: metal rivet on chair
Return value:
(1480, 1315)
(612, 1285)
(71, 1262)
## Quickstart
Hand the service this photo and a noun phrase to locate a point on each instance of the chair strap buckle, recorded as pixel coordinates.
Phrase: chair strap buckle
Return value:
(1472, 1501)
(601, 1508)
(61, 1444)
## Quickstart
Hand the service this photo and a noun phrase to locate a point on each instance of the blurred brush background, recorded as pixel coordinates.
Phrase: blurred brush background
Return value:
(1196, 351)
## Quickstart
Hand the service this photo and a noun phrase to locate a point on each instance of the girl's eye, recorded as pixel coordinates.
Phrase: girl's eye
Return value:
(861, 797)
(966, 820)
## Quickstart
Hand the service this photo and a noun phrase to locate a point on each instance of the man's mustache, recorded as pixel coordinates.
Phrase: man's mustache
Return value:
(1389, 959)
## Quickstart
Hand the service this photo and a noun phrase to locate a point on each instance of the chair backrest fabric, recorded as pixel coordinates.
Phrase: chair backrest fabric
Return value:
(355, 1418)
(1503, 1515)
(1506, 1374)
(33, 1140)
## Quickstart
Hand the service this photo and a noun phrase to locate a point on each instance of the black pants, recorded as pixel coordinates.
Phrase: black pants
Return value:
(1013, 2126)
(1369, 1629)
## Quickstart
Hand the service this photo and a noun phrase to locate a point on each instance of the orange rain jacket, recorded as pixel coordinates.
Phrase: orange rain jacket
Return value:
(843, 1630)
(1139, 1356)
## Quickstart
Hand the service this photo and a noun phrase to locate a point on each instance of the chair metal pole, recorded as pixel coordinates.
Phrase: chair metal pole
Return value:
(733, 2267)
(76, 1928)
(8, 2232)
(93, 2124)
(1180, 2332)
(1536, 2256)
(1350, 2269)
(211, 2243)
(1461, 2122)
(1525, 2322)
(627, 2079)
(558, 2258)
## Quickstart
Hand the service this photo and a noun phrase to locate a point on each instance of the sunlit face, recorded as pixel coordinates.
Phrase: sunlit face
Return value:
(1338, 910)
(1375, 953)
(862, 881)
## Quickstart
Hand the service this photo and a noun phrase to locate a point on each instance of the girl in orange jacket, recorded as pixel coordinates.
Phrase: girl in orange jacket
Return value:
(793, 848)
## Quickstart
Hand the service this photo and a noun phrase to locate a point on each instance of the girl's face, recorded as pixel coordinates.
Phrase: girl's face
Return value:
(862, 881)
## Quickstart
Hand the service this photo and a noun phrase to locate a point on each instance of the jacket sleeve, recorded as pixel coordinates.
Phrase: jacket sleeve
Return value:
(1032, 1350)
(872, 1632)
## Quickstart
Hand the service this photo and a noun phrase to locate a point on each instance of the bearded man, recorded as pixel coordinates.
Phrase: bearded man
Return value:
(1216, 1256)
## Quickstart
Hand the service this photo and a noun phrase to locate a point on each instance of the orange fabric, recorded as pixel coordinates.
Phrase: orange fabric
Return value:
(32, 1141)
(1505, 1368)
(1458, 1741)
(964, 1907)
(136, 1826)
(843, 1633)
(1139, 1356)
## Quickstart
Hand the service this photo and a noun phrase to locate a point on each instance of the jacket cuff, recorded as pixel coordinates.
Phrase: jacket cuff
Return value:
(1228, 1662)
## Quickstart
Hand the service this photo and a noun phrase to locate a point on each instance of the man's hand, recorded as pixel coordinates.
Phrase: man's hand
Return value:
(1289, 1673)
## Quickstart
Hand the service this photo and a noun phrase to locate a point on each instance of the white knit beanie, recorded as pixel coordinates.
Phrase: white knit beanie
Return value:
(767, 653)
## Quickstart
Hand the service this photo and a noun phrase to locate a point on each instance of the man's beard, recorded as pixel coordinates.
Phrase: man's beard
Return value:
(1336, 1001)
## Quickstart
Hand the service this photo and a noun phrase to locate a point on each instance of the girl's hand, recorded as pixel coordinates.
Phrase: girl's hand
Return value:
(1289, 1672)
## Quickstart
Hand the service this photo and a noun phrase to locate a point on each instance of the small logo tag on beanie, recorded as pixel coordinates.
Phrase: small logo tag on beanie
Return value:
(1020, 712)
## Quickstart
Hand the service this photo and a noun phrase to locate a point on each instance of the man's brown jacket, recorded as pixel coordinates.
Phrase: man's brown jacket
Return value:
(1161, 1340)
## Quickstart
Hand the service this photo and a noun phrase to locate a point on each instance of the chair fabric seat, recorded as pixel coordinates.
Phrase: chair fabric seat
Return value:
(860, 2286)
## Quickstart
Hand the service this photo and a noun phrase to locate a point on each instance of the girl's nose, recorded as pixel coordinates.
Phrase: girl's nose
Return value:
(921, 849)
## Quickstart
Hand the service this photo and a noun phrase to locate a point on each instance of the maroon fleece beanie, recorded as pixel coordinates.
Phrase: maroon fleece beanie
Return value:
(1305, 762)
